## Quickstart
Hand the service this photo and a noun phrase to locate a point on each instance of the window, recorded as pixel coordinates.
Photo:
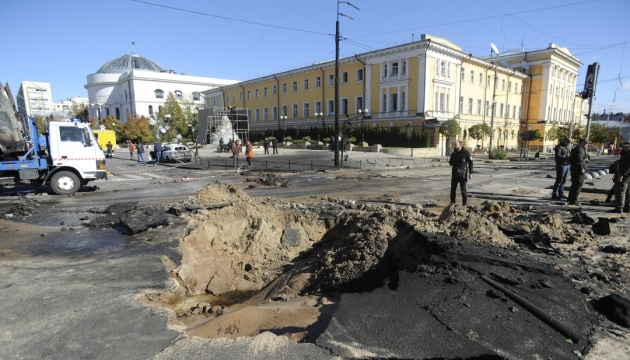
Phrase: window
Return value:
(501, 112)
(150, 109)
(478, 107)
(284, 88)
(403, 69)
(463, 74)
(344, 77)
(503, 84)
(384, 105)
(472, 76)
(294, 111)
(331, 80)
(318, 107)
(256, 94)
(178, 95)
(274, 90)
(240, 95)
(487, 108)
(509, 85)
(196, 96)
(265, 114)
(331, 107)
(344, 106)
(295, 86)
(305, 111)
(461, 104)
(359, 74)
(248, 93)
(470, 105)
(359, 104)
(488, 84)
(384, 70)
(73, 134)
(394, 68)
(443, 68)
(265, 91)
(481, 79)
(507, 111)
(318, 82)
(274, 113)
(257, 115)
(305, 84)
(159, 94)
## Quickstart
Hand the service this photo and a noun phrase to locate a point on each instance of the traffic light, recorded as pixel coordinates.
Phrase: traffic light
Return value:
(591, 79)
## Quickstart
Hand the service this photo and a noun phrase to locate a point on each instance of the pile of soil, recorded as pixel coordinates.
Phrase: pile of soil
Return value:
(245, 260)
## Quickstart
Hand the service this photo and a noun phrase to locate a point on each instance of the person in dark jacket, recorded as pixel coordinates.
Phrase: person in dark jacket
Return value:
(462, 169)
(579, 163)
(561, 154)
(622, 181)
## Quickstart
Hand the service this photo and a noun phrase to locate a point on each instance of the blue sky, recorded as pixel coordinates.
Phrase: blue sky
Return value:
(63, 41)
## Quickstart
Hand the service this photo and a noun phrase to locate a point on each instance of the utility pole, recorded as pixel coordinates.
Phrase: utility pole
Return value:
(336, 135)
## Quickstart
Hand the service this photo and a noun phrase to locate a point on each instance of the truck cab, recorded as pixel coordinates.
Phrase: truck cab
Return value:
(74, 155)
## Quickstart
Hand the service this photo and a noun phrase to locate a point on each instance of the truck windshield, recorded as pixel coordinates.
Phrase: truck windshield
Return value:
(75, 134)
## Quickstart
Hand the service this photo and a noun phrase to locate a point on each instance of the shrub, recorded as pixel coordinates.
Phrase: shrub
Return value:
(498, 154)
(307, 138)
(298, 142)
(288, 138)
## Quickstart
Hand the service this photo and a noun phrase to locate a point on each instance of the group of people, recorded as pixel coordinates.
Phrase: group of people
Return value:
(574, 162)
(274, 145)
(237, 149)
(139, 150)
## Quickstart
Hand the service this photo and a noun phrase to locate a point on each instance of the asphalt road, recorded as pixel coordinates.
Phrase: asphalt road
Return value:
(72, 292)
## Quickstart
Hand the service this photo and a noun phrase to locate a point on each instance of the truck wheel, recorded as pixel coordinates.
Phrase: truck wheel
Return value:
(65, 183)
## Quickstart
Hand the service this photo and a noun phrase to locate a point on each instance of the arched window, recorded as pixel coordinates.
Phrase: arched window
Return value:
(150, 109)
(178, 95)
(159, 94)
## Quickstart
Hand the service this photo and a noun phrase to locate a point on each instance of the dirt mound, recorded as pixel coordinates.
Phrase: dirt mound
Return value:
(242, 246)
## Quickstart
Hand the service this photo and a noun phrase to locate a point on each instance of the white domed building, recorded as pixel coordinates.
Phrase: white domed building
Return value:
(132, 84)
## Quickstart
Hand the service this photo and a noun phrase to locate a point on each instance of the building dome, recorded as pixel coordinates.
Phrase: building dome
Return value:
(129, 62)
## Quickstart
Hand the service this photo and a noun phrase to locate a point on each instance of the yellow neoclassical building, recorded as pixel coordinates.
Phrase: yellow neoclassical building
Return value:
(419, 84)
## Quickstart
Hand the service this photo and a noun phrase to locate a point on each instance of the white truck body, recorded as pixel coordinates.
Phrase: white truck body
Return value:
(66, 157)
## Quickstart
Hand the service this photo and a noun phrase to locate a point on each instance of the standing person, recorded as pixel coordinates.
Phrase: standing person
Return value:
(274, 145)
(249, 153)
(221, 145)
(157, 148)
(110, 150)
(562, 154)
(131, 150)
(266, 146)
(579, 164)
(462, 169)
(622, 181)
(236, 151)
(140, 151)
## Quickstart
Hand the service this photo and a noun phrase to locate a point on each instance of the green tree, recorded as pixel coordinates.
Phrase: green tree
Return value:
(81, 112)
(174, 119)
(479, 131)
(40, 124)
(601, 134)
(578, 133)
(450, 129)
(138, 128)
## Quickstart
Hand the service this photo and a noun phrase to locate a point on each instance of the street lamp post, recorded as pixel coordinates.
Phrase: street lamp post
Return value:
(337, 163)
(319, 115)
(493, 48)
(283, 118)
(363, 113)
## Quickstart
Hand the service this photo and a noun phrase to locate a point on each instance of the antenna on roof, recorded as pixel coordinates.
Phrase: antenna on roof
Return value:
(133, 43)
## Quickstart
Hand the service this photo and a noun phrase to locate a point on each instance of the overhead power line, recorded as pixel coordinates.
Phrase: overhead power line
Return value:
(232, 19)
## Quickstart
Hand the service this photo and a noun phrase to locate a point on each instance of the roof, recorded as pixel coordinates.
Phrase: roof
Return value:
(129, 62)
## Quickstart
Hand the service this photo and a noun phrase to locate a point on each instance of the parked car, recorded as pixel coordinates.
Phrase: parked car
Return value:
(175, 153)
